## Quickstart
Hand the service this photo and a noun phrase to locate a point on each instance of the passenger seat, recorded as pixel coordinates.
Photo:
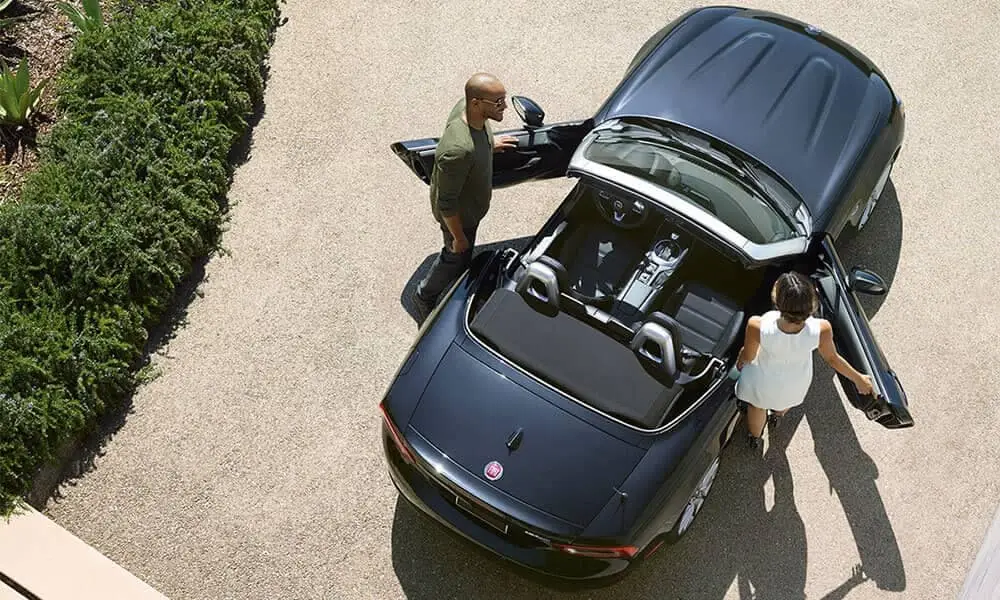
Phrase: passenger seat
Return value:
(709, 321)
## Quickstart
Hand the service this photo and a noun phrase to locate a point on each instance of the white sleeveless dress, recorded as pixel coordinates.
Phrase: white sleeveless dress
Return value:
(780, 375)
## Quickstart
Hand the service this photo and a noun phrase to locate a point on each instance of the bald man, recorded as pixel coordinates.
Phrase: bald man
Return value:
(462, 182)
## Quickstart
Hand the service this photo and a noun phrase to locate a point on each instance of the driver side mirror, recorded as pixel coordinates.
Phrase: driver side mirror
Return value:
(528, 110)
(867, 282)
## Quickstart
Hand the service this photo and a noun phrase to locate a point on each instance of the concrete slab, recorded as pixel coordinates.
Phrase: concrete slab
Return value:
(47, 562)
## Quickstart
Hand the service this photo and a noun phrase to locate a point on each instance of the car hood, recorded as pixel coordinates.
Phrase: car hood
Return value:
(562, 465)
(791, 96)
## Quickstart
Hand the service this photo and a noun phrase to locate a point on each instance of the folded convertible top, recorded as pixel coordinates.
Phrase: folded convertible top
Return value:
(574, 357)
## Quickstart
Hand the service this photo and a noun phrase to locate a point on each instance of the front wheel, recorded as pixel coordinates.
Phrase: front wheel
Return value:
(875, 196)
(695, 502)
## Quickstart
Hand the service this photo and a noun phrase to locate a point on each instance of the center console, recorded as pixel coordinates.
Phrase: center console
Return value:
(640, 293)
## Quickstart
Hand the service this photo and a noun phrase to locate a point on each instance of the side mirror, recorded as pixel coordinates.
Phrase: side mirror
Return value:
(528, 110)
(867, 282)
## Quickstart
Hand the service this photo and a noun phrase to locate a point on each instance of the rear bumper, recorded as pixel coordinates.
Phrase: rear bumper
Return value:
(434, 502)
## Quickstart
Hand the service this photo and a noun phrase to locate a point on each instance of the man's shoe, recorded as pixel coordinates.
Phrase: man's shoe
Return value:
(422, 307)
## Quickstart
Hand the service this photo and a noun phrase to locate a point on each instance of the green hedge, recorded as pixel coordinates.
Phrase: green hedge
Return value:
(129, 192)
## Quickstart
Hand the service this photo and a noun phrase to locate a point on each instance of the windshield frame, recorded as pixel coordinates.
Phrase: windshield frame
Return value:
(740, 170)
(774, 188)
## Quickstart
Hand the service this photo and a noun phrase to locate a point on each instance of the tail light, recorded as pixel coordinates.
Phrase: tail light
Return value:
(598, 551)
(397, 437)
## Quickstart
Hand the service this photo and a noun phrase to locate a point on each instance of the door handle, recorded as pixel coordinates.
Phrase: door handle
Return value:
(534, 160)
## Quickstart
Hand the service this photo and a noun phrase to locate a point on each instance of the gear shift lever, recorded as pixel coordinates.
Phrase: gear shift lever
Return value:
(647, 281)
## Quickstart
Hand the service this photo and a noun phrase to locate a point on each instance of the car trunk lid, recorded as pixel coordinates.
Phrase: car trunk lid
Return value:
(555, 462)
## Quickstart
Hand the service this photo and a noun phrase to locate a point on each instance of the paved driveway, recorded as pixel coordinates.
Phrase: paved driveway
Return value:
(251, 468)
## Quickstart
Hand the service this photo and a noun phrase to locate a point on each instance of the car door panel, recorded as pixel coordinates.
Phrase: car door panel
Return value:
(855, 341)
(541, 153)
(418, 155)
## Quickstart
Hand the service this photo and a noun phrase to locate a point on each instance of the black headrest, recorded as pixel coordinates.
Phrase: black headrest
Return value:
(539, 285)
(557, 267)
(657, 343)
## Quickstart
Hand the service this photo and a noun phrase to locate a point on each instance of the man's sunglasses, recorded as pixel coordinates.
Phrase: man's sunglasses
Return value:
(497, 103)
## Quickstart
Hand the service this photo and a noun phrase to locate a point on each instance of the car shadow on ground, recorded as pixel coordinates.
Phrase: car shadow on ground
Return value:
(749, 536)
(878, 246)
(406, 296)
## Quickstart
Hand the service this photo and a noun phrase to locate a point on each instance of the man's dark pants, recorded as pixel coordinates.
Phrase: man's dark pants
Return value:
(445, 270)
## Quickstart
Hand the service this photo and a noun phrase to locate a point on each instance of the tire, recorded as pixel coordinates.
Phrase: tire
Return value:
(695, 502)
(874, 197)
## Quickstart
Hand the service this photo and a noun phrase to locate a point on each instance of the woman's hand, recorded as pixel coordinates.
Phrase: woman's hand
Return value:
(864, 383)
(829, 353)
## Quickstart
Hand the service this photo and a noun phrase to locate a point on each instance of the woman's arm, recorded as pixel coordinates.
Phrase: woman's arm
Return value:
(751, 343)
(829, 353)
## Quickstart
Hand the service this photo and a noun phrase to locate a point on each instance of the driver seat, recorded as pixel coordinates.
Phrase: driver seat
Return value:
(599, 260)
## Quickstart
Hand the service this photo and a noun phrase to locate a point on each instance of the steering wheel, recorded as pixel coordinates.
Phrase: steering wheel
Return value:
(627, 214)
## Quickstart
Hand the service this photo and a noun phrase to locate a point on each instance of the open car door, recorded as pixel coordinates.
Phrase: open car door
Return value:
(854, 339)
(543, 151)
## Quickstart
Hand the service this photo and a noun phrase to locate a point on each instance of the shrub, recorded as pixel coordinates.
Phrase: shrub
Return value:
(126, 197)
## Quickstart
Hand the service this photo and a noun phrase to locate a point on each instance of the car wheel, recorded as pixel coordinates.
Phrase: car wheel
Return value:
(696, 501)
(875, 196)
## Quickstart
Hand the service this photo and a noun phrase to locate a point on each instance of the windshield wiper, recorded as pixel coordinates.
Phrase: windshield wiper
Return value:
(750, 172)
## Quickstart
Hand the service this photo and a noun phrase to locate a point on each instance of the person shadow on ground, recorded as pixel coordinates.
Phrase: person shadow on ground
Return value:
(406, 296)
(772, 561)
(852, 475)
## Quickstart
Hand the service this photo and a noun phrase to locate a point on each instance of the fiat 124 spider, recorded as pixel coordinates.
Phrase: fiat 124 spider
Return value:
(566, 403)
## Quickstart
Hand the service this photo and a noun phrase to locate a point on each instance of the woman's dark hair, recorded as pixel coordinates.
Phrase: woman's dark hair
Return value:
(794, 295)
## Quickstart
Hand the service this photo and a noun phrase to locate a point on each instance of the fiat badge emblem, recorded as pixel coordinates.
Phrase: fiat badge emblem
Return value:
(493, 470)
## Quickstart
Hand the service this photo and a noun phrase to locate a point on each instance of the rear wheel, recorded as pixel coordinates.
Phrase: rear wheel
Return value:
(695, 502)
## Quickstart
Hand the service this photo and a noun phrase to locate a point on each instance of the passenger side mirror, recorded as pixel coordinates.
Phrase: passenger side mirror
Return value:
(867, 282)
(528, 110)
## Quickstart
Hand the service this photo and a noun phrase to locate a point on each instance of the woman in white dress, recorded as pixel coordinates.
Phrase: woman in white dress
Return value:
(776, 360)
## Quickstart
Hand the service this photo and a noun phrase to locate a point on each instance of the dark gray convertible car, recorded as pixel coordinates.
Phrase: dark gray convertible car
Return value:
(566, 404)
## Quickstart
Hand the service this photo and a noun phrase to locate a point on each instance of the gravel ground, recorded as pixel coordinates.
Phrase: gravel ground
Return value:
(251, 468)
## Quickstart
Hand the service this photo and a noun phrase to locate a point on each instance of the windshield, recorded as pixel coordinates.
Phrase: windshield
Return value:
(689, 173)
